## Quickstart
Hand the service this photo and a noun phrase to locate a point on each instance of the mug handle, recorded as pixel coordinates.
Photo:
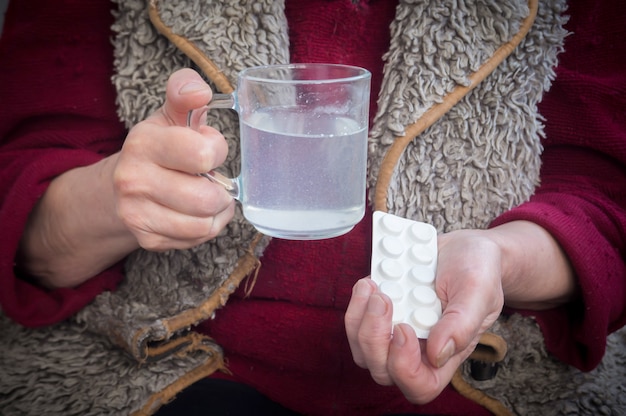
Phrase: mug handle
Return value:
(194, 118)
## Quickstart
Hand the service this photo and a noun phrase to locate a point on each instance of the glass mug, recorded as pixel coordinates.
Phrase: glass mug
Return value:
(303, 140)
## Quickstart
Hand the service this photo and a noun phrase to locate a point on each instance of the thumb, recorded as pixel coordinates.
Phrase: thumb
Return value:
(186, 90)
(457, 332)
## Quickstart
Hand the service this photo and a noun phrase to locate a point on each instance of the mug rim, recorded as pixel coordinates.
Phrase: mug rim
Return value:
(359, 73)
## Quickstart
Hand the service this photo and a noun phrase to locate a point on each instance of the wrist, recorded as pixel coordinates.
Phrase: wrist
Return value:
(536, 273)
(73, 232)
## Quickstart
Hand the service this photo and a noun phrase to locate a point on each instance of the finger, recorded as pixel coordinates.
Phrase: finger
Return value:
(204, 151)
(158, 228)
(177, 148)
(194, 196)
(180, 192)
(472, 299)
(458, 329)
(374, 336)
(410, 371)
(185, 91)
(361, 292)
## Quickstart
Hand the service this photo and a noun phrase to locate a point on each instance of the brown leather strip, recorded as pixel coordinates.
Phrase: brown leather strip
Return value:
(213, 364)
(191, 341)
(181, 345)
(489, 403)
(245, 266)
(491, 348)
(146, 348)
(248, 262)
(434, 113)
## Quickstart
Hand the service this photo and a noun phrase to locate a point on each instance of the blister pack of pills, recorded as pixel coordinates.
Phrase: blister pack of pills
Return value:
(404, 265)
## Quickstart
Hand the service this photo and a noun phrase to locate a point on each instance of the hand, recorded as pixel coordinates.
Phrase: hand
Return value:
(158, 196)
(147, 195)
(469, 285)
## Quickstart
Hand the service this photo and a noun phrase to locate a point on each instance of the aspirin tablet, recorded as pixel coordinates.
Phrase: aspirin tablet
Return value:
(423, 319)
(393, 290)
(424, 296)
(392, 246)
(421, 232)
(421, 275)
(393, 225)
(390, 269)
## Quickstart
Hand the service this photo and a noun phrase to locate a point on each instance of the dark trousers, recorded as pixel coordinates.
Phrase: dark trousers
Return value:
(217, 397)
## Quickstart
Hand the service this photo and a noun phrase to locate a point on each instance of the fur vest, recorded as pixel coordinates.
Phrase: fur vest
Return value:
(132, 350)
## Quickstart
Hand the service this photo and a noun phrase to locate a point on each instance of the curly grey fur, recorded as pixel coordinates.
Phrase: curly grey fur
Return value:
(231, 34)
(65, 369)
(483, 156)
(530, 381)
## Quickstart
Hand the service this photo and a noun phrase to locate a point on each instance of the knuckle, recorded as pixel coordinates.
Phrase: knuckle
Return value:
(206, 229)
(214, 201)
(150, 244)
(124, 182)
(197, 230)
(421, 398)
(351, 319)
(206, 198)
(136, 137)
(126, 179)
(133, 222)
(206, 158)
(367, 339)
(374, 338)
(359, 361)
(419, 392)
(381, 377)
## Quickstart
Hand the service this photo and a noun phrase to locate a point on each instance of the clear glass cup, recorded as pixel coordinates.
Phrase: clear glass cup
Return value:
(303, 136)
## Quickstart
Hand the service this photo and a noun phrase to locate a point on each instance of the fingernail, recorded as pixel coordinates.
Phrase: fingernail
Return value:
(446, 353)
(192, 87)
(362, 288)
(399, 339)
(376, 306)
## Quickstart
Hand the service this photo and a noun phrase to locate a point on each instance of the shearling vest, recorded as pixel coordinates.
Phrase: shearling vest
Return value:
(131, 350)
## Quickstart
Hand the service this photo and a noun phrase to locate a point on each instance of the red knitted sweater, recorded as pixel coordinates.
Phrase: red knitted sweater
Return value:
(57, 112)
